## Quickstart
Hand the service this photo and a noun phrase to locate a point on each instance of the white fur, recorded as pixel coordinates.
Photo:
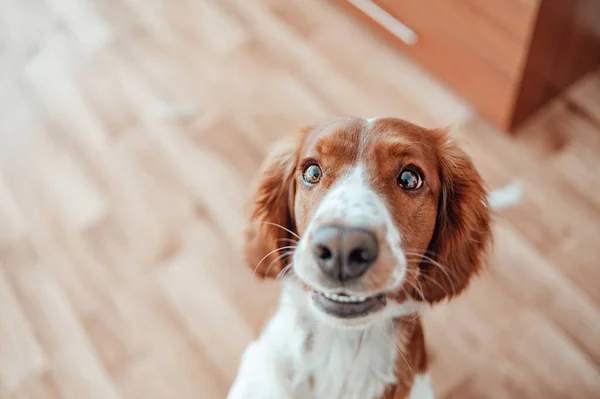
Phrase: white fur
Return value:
(352, 201)
(422, 388)
(371, 120)
(295, 346)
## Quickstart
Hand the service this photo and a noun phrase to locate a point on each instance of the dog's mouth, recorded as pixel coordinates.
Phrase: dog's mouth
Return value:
(348, 306)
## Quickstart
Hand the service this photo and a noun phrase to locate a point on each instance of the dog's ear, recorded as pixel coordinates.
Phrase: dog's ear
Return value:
(462, 233)
(272, 223)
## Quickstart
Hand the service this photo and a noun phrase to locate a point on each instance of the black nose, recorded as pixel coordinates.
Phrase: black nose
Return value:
(344, 253)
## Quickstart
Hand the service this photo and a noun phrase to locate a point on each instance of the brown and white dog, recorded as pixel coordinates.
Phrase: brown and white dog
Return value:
(365, 221)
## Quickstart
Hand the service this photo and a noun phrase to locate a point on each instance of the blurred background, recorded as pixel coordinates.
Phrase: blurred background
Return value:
(130, 131)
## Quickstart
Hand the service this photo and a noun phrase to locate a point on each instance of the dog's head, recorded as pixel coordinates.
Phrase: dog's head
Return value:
(368, 214)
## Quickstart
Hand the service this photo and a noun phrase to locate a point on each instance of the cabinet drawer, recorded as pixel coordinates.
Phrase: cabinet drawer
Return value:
(483, 29)
(453, 42)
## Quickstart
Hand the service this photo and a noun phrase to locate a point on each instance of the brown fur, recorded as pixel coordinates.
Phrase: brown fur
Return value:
(271, 206)
(462, 231)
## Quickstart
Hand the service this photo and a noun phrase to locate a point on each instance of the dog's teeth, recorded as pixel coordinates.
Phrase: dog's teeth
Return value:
(345, 298)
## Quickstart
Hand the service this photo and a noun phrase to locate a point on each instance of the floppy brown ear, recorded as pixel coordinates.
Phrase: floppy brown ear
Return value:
(462, 233)
(272, 217)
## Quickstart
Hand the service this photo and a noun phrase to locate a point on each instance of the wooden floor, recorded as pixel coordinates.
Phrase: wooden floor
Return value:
(129, 132)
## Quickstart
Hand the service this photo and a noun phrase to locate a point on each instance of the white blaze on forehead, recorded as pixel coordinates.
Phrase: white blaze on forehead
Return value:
(352, 201)
(371, 120)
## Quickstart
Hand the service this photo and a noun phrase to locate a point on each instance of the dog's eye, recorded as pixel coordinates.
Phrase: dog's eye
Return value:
(312, 173)
(410, 179)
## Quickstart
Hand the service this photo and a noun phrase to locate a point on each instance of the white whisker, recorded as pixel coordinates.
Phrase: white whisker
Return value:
(441, 287)
(267, 255)
(282, 256)
(283, 272)
(418, 289)
(433, 262)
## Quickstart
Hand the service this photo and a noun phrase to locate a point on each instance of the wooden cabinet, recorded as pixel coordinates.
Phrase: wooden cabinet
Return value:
(507, 58)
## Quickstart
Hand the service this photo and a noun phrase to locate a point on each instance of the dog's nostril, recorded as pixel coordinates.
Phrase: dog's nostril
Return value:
(323, 253)
(359, 256)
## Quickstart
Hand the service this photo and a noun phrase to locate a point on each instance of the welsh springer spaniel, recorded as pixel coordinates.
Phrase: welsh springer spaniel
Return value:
(365, 222)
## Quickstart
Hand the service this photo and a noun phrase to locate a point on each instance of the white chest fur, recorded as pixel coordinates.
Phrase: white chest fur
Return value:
(346, 363)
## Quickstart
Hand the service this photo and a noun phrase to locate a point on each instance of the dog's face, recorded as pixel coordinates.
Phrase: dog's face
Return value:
(371, 214)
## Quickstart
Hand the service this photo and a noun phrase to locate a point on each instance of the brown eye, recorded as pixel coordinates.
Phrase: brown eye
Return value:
(410, 179)
(312, 174)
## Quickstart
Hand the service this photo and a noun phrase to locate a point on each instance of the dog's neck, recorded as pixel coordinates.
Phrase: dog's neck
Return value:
(325, 360)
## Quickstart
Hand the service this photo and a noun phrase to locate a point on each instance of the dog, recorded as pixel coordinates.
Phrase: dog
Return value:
(366, 222)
